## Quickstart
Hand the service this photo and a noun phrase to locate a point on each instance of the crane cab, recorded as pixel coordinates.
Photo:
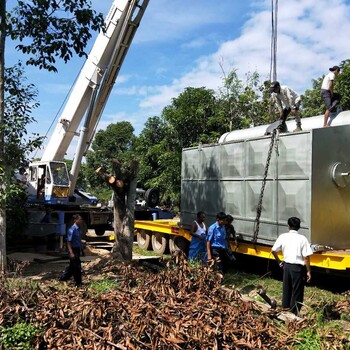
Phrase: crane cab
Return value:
(48, 182)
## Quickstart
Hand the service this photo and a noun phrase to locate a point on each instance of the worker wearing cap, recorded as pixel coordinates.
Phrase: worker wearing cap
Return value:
(287, 101)
(330, 99)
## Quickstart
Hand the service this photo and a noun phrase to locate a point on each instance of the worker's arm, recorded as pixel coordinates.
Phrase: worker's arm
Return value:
(70, 249)
(277, 102)
(193, 230)
(308, 268)
(280, 263)
(331, 86)
(209, 251)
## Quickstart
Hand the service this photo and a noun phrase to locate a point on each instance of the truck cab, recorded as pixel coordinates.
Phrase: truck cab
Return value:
(48, 182)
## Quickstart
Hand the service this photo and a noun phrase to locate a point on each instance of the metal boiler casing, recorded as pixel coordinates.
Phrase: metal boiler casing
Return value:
(309, 178)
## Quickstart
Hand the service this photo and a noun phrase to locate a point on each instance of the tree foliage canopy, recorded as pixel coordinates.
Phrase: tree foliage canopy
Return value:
(116, 142)
(47, 29)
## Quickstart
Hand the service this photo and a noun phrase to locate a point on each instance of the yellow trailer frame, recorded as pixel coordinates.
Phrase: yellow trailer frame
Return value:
(329, 260)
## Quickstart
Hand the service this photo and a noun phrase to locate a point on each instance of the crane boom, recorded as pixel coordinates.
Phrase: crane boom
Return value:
(104, 60)
(49, 180)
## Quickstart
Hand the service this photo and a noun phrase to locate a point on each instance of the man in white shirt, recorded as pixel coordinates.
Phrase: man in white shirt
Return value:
(330, 99)
(296, 252)
(287, 101)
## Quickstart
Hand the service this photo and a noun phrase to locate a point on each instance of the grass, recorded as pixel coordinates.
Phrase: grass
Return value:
(321, 309)
(136, 249)
(103, 286)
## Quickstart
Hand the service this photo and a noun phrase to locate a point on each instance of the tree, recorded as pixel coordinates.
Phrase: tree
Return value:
(342, 84)
(243, 103)
(50, 34)
(43, 34)
(20, 101)
(312, 103)
(117, 141)
(191, 117)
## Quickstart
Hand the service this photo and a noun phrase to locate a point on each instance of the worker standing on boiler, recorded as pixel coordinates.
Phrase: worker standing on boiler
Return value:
(287, 101)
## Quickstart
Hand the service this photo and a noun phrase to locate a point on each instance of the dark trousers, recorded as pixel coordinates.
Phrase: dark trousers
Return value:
(293, 287)
(73, 269)
(221, 258)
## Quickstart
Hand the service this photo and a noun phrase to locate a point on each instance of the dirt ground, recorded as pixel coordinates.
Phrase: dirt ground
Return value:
(43, 265)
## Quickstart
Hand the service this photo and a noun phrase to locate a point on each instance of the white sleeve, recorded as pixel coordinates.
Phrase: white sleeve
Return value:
(278, 245)
(306, 249)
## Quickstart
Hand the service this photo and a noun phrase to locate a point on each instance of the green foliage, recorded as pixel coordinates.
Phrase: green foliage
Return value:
(342, 84)
(103, 286)
(312, 103)
(45, 34)
(243, 103)
(16, 214)
(116, 142)
(190, 117)
(20, 101)
(308, 339)
(19, 336)
(81, 181)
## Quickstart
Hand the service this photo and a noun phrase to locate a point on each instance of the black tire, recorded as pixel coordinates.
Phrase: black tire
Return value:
(178, 243)
(100, 231)
(159, 243)
(144, 239)
(152, 197)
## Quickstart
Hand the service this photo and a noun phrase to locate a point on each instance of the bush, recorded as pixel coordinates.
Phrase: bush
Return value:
(19, 336)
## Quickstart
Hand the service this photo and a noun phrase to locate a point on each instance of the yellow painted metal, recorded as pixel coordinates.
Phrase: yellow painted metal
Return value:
(163, 226)
(331, 260)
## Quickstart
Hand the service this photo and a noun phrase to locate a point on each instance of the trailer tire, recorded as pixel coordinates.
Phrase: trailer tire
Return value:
(144, 239)
(159, 243)
(177, 244)
(152, 197)
(100, 231)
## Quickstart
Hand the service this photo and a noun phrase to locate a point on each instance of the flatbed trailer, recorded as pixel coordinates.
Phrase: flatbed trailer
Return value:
(164, 236)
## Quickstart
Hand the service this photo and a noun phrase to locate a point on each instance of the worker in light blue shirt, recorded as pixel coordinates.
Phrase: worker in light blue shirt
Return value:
(216, 242)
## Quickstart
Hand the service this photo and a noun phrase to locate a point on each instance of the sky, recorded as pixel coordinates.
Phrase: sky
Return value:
(182, 43)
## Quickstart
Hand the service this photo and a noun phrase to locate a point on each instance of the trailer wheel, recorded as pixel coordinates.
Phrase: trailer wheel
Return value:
(178, 243)
(152, 197)
(144, 239)
(159, 243)
(100, 231)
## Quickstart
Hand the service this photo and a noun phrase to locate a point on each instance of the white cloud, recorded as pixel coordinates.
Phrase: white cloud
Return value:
(310, 40)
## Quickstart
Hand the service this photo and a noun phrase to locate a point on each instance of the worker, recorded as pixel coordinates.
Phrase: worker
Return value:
(230, 236)
(330, 98)
(216, 242)
(21, 177)
(287, 101)
(75, 246)
(198, 231)
(296, 252)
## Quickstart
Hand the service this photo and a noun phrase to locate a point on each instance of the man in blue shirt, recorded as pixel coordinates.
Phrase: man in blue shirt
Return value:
(216, 241)
(75, 246)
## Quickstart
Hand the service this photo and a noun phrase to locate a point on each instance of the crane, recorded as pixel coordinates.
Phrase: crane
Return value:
(49, 181)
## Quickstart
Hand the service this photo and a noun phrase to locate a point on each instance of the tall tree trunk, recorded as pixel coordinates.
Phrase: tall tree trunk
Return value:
(124, 207)
(2, 112)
